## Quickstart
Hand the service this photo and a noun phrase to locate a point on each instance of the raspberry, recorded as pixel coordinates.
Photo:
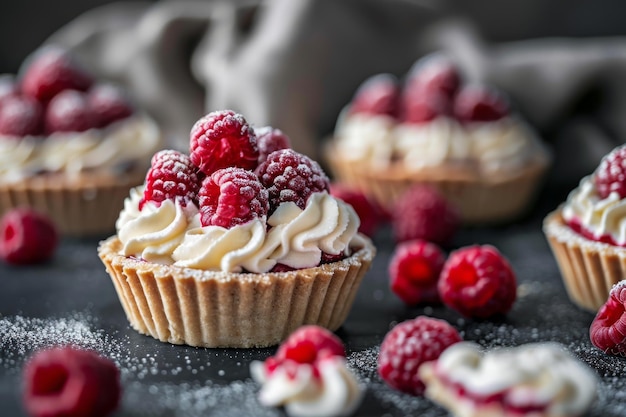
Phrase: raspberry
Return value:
(27, 237)
(423, 213)
(433, 74)
(424, 108)
(480, 104)
(310, 343)
(291, 176)
(172, 176)
(611, 173)
(20, 116)
(414, 271)
(70, 382)
(370, 213)
(109, 104)
(269, 140)
(50, 71)
(222, 139)
(408, 345)
(232, 196)
(377, 95)
(608, 329)
(69, 111)
(477, 281)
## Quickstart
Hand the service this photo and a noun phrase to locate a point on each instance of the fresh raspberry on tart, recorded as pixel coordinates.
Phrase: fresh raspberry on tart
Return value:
(27, 237)
(308, 344)
(378, 95)
(435, 74)
(109, 104)
(608, 329)
(610, 176)
(270, 139)
(21, 116)
(69, 111)
(424, 108)
(477, 281)
(476, 103)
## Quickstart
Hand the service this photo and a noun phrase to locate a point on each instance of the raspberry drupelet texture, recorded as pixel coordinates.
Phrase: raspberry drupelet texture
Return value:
(172, 176)
(291, 176)
(475, 103)
(27, 237)
(477, 281)
(610, 176)
(70, 382)
(608, 329)
(223, 139)
(109, 104)
(410, 344)
(69, 111)
(377, 95)
(269, 140)
(414, 271)
(20, 116)
(232, 196)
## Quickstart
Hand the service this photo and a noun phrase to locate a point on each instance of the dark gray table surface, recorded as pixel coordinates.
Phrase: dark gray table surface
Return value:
(72, 300)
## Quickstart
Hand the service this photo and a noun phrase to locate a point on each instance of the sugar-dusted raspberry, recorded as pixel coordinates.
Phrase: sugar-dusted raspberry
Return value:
(408, 345)
(377, 95)
(172, 176)
(8, 87)
(69, 111)
(291, 176)
(414, 271)
(610, 176)
(477, 281)
(223, 139)
(608, 329)
(232, 196)
(422, 212)
(27, 237)
(109, 104)
(20, 116)
(269, 140)
(52, 70)
(310, 343)
(435, 73)
(370, 213)
(475, 103)
(70, 382)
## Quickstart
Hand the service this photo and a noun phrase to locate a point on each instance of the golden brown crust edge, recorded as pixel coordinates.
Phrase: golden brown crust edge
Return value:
(215, 309)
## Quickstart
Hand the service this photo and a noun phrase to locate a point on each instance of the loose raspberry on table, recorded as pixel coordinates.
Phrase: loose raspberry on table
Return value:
(377, 95)
(52, 70)
(370, 213)
(410, 344)
(291, 176)
(476, 103)
(433, 74)
(27, 237)
(109, 104)
(223, 139)
(70, 382)
(232, 196)
(422, 212)
(477, 281)
(414, 271)
(608, 329)
(69, 111)
(172, 176)
(269, 140)
(20, 116)
(610, 176)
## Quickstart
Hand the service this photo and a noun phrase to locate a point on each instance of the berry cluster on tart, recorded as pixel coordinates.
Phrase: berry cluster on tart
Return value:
(236, 244)
(70, 145)
(433, 128)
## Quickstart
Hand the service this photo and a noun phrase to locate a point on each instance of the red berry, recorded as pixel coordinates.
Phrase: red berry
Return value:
(477, 281)
(27, 237)
(50, 71)
(423, 213)
(69, 111)
(309, 343)
(269, 140)
(408, 345)
(232, 196)
(433, 74)
(377, 95)
(608, 329)
(480, 104)
(172, 176)
(414, 271)
(8, 87)
(70, 382)
(20, 116)
(109, 104)
(222, 139)
(291, 176)
(424, 108)
(611, 173)
(370, 214)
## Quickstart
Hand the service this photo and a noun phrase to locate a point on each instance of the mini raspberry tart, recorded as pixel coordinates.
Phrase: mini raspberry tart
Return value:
(587, 233)
(536, 379)
(433, 128)
(71, 145)
(222, 248)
